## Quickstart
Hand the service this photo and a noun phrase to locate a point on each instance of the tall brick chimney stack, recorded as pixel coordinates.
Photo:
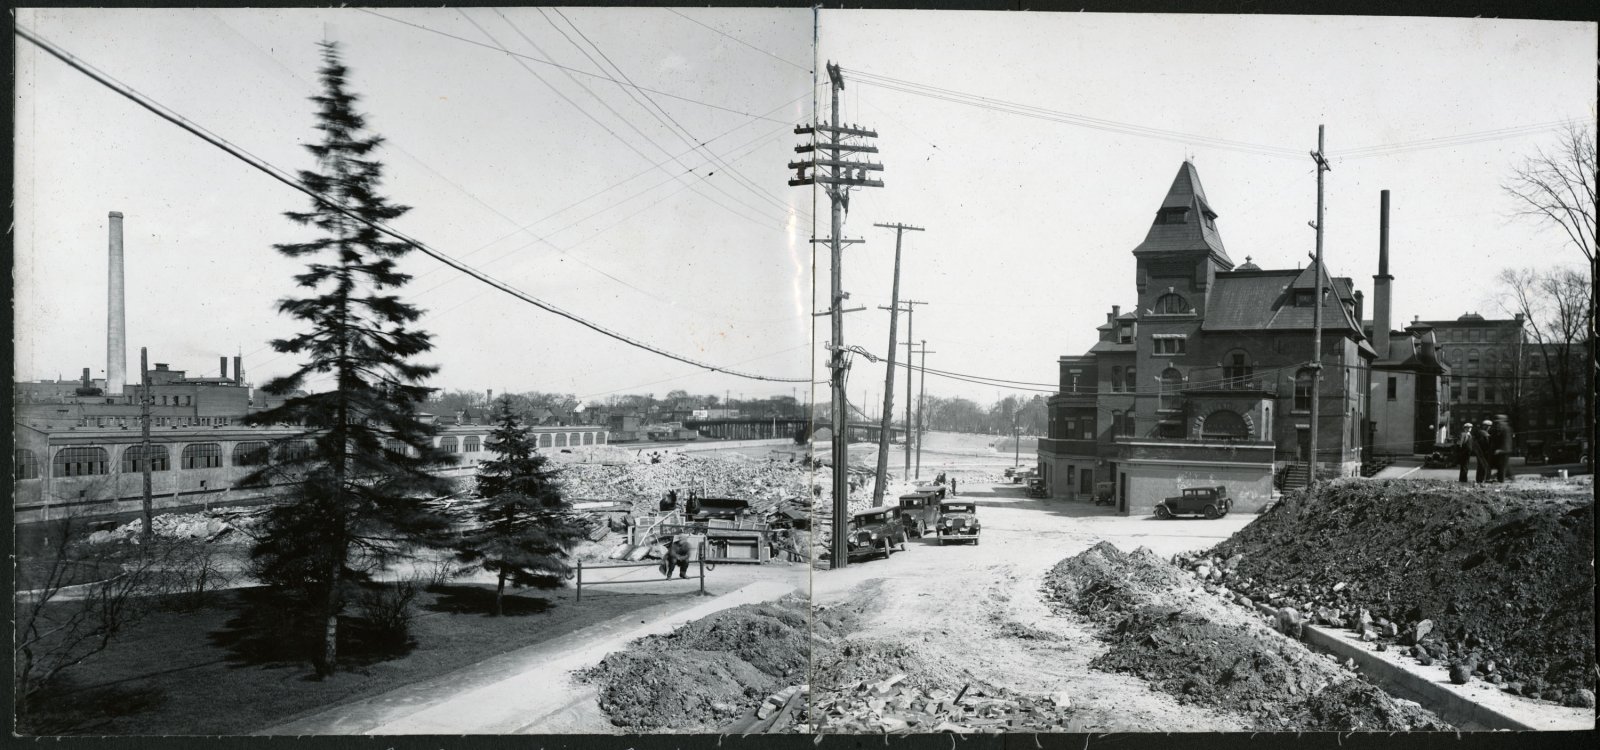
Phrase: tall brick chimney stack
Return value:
(116, 323)
(1382, 283)
(238, 371)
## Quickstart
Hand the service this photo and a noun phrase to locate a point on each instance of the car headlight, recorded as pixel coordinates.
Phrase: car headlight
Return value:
(874, 535)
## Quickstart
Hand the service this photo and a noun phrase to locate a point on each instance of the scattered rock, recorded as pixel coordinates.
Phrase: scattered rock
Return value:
(1460, 673)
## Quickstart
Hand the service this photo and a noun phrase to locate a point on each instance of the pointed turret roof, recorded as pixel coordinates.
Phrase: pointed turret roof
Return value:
(1185, 221)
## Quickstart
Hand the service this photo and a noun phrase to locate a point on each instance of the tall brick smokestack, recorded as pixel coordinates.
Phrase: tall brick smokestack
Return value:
(116, 322)
(1381, 283)
(238, 371)
(223, 363)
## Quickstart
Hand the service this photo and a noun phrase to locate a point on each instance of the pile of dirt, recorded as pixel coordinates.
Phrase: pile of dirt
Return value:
(1499, 578)
(708, 672)
(1190, 644)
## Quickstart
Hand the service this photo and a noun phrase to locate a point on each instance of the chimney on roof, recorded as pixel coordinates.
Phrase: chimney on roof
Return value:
(1381, 283)
(116, 327)
(238, 371)
(1115, 311)
(223, 362)
(86, 382)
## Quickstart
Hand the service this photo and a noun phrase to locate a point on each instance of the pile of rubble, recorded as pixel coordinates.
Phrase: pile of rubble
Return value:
(1495, 583)
(641, 485)
(213, 525)
(893, 706)
(710, 672)
(1186, 641)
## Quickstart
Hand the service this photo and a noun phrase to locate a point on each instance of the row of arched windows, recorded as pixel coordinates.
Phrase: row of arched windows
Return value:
(90, 460)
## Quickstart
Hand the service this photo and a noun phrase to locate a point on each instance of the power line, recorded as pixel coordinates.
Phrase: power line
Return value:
(665, 118)
(283, 177)
(563, 67)
(596, 120)
(741, 41)
(1027, 110)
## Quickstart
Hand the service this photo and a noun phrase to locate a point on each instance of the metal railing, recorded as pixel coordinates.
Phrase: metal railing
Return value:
(701, 560)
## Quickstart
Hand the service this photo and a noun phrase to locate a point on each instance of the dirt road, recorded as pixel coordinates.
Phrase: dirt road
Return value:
(976, 611)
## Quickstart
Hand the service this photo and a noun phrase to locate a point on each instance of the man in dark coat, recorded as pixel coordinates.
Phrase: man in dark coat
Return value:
(1481, 450)
(1464, 449)
(1500, 439)
(677, 557)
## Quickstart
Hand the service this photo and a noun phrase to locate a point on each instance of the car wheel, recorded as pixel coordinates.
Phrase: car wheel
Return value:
(1162, 512)
(1211, 512)
(922, 529)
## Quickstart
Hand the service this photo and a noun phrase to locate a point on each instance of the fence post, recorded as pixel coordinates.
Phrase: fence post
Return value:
(702, 575)
(579, 598)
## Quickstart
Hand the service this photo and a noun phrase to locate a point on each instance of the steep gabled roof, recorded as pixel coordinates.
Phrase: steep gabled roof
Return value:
(1264, 300)
(1196, 231)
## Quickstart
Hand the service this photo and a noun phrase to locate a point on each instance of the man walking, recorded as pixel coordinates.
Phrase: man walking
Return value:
(1481, 450)
(1464, 449)
(1500, 437)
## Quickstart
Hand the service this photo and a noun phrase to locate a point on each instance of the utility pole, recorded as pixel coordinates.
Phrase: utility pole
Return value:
(837, 175)
(888, 375)
(910, 308)
(921, 400)
(1316, 310)
(1016, 444)
(144, 442)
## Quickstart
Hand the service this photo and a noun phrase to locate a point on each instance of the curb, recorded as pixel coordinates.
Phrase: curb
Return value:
(1440, 698)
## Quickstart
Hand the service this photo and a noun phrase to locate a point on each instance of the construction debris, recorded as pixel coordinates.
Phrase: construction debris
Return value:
(1167, 629)
(1491, 581)
(713, 672)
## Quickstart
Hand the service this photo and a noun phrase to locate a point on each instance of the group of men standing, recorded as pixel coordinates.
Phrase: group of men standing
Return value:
(1490, 443)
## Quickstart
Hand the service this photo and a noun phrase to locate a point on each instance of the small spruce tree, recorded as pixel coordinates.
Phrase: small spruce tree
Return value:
(361, 472)
(526, 528)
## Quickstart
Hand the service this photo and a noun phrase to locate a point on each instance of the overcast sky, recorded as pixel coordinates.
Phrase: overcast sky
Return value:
(1031, 222)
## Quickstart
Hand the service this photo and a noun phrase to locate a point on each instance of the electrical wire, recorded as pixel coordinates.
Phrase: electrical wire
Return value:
(563, 67)
(805, 68)
(287, 179)
(664, 117)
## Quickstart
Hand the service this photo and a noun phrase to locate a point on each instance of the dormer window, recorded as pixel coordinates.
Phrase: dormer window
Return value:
(1172, 304)
(1211, 220)
(1173, 215)
(1303, 297)
(1125, 333)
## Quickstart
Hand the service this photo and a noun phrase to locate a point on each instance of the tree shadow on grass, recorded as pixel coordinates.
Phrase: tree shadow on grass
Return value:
(273, 629)
(64, 709)
(478, 600)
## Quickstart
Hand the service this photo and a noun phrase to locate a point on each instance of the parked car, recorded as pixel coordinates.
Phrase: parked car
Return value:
(1569, 452)
(1534, 452)
(1211, 502)
(958, 522)
(1105, 493)
(919, 511)
(874, 531)
(1036, 488)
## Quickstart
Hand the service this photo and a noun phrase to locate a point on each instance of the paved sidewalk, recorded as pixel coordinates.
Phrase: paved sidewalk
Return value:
(530, 690)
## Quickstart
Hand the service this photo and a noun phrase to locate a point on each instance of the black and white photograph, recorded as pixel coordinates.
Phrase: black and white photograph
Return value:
(890, 372)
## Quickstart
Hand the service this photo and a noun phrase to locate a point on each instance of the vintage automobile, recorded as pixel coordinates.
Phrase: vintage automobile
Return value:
(1569, 452)
(1036, 488)
(958, 522)
(1105, 493)
(919, 511)
(875, 531)
(1211, 502)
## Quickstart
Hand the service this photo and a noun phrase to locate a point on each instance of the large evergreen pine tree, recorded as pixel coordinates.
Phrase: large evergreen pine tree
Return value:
(360, 485)
(526, 527)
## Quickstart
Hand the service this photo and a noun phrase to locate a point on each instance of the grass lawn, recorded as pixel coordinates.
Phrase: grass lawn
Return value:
(233, 667)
